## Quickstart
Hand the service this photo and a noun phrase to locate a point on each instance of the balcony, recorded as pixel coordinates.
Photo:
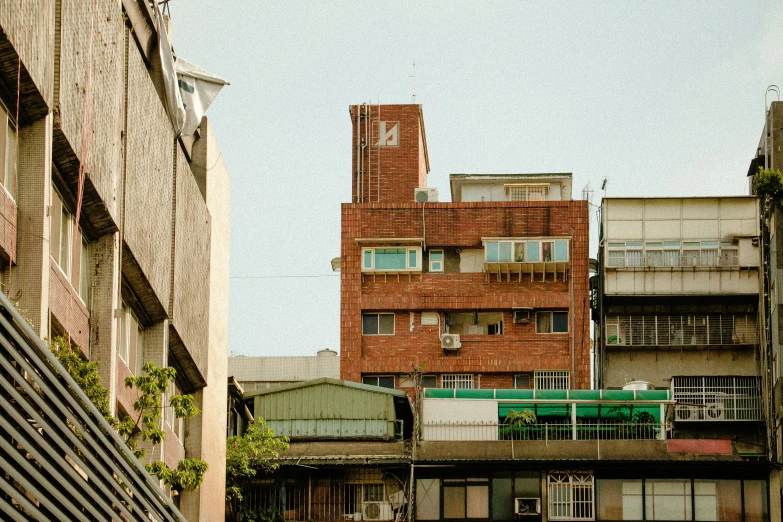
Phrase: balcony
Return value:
(681, 330)
(546, 431)
(717, 398)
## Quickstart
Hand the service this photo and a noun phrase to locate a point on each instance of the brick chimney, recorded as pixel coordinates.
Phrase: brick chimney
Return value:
(389, 153)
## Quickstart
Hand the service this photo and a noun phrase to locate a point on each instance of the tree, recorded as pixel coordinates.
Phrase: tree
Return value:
(768, 183)
(245, 456)
(152, 385)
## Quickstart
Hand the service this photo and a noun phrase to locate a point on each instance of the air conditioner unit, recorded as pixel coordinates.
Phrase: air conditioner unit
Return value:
(527, 506)
(686, 413)
(449, 341)
(425, 195)
(522, 316)
(714, 411)
(377, 511)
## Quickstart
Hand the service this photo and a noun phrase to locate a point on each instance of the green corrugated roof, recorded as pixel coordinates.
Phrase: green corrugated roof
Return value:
(544, 395)
(326, 380)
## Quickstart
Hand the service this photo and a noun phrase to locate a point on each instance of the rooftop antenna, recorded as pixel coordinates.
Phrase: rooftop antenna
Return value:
(414, 82)
(165, 10)
(603, 187)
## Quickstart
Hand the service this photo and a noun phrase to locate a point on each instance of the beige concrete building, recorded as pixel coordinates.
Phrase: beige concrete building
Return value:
(115, 230)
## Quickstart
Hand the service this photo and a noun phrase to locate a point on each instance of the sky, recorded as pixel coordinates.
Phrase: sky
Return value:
(660, 98)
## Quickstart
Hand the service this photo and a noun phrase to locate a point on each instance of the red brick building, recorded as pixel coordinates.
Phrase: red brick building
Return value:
(488, 291)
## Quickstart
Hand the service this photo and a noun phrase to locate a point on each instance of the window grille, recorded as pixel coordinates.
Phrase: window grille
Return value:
(681, 330)
(570, 496)
(456, 381)
(672, 254)
(551, 380)
(717, 398)
(527, 192)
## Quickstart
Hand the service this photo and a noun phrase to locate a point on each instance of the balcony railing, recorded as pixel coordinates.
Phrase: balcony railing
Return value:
(717, 398)
(681, 330)
(545, 431)
(672, 260)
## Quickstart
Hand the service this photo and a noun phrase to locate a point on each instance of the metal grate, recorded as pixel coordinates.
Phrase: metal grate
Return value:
(681, 330)
(354, 494)
(60, 458)
(570, 496)
(527, 192)
(723, 398)
(551, 380)
(455, 380)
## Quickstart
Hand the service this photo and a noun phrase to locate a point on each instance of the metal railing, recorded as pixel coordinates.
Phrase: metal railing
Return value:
(681, 330)
(673, 259)
(60, 458)
(717, 398)
(547, 431)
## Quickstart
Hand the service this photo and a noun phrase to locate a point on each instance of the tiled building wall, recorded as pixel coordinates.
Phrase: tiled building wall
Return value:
(106, 88)
(463, 225)
(402, 166)
(35, 24)
(149, 179)
(190, 310)
(67, 307)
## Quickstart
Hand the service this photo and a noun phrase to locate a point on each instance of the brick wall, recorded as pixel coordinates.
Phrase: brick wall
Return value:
(519, 348)
(402, 166)
(67, 307)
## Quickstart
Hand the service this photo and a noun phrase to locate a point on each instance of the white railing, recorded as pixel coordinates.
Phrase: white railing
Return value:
(544, 431)
(717, 398)
(681, 330)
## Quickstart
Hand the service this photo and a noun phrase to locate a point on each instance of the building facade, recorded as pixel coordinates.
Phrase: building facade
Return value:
(489, 290)
(115, 230)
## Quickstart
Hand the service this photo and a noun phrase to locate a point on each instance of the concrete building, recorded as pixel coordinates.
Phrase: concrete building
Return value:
(488, 291)
(258, 373)
(115, 230)
(771, 333)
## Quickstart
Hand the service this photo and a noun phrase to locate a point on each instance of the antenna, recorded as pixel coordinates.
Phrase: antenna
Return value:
(414, 82)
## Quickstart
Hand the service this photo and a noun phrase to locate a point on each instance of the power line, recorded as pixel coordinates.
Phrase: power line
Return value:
(284, 276)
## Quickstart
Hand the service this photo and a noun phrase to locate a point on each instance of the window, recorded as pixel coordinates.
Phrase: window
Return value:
(391, 259)
(427, 381)
(475, 323)
(384, 381)
(672, 253)
(466, 498)
(436, 260)
(570, 496)
(667, 499)
(452, 380)
(378, 324)
(551, 322)
(526, 251)
(129, 338)
(8, 153)
(522, 381)
(551, 380)
(176, 425)
(76, 271)
(527, 192)
(427, 499)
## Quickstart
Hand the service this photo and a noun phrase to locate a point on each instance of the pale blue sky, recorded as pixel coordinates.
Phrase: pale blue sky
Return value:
(661, 98)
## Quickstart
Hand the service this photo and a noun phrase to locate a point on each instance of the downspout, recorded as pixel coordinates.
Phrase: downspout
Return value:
(358, 150)
(573, 317)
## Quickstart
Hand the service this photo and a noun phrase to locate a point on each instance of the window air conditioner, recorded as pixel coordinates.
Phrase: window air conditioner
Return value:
(425, 195)
(527, 506)
(522, 316)
(377, 511)
(449, 341)
(686, 413)
(713, 411)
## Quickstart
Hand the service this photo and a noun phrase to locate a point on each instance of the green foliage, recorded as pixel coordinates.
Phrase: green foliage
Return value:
(525, 417)
(245, 456)
(85, 373)
(152, 385)
(768, 183)
(189, 473)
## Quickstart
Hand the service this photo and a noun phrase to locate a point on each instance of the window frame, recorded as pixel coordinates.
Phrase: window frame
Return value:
(527, 376)
(432, 262)
(516, 250)
(10, 164)
(371, 251)
(458, 380)
(552, 322)
(378, 323)
(570, 481)
(378, 378)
